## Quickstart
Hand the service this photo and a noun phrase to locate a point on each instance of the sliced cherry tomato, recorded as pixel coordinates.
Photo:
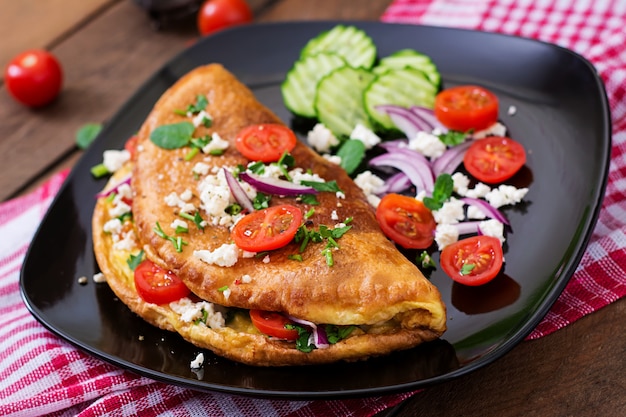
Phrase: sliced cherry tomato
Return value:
(406, 221)
(472, 261)
(466, 107)
(265, 142)
(158, 286)
(267, 229)
(34, 77)
(131, 145)
(494, 159)
(273, 324)
(219, 14)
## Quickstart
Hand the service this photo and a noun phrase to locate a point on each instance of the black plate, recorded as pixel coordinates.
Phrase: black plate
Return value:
(562, 119)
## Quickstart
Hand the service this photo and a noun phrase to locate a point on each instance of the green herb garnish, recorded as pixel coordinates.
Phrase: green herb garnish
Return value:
(335, 333)
(352, 152)
(425, 260)
(304, 334)
(197, 107)
(172, 136)
(330, 186)
(444, 185)
(86, 134)
(178, 242)
(453, 137)
(196, 218)
(466, 269)
(133, 261)
(99, 171)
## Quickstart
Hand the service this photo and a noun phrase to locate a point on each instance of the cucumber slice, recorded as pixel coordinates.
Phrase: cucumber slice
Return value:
(410, 58)
(403, 87)
(350, 42)
(339, 99)
(299, 87)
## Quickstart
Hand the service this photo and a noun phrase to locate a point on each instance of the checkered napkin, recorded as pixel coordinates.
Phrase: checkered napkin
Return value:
(41, 374)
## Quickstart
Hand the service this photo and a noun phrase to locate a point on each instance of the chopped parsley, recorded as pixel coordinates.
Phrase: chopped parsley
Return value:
(425, 260)
(86, 134)
(178, 242)
(197, 107)
(304, 334)
(305, 236)
(453, 137)
(196, 218)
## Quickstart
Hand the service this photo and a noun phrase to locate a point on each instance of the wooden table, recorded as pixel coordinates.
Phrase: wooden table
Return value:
(109, 47)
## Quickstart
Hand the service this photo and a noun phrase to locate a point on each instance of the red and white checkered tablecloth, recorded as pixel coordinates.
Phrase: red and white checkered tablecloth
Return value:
(41, 374)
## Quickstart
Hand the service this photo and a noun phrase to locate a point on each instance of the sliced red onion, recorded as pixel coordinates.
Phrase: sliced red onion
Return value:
(393, 144)
(397, 183)
(320, 340)
(428, 116)
(275, 186)
(413, 164)
(235, 189)
(467, 228)
(451, 159)
(116, 187)
(488, 209)
(406, 120)
(303, 322)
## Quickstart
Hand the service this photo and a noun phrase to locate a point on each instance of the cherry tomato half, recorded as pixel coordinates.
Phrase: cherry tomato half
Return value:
(158, 286)
(273, 324)
(219, 14)
(406, 221)
(267, 229)
(131, 145)
(494, 159)
(466, 107)
(34, 77)
(265, 142)
(472, 261)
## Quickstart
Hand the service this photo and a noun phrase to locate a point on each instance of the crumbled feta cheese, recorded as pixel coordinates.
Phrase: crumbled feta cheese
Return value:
(125, 241)
(369, 182)
(266, 259)
(113, 226)
(446, 234)
(198, 362)
(99, 278)
(492, 227)
(174, 200)
(505, 195)
(124, 191)
(451, 212)
(271, 171)
(340, 195)
(178, 223)
(246, 279)
(200, 168)
(496, 129)
(365, 135)
(335, 159)
(476, 213)
(82, 280)
(420, 195)
(427, 144)
(226, 293)
(216, 144)
(225, 255)
(190, 312)
(200, 118)
(321, 138)
(119, 208)
(246, 254)
(298, 175)
(480, 190)
(512, 110)
(461, 183)
(373, 200)
(334, 215)
(114, 159)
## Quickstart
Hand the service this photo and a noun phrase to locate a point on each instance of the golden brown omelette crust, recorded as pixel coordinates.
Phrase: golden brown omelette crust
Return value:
(371, 280)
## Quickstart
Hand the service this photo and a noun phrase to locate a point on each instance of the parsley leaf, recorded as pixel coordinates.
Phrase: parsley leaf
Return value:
(133, 261)
(453, 137)
(172, 136)
(197, 107)
(330, 186)
(86, 134)
(425, 260)
(302, 342)
(352, 152)
(335, 333)
(444, 185)
(261, 201)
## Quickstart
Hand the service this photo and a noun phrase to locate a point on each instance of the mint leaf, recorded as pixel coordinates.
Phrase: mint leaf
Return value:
(172, 136)
(352, 152)
(86, 134)
(453, 137)
(444, 185)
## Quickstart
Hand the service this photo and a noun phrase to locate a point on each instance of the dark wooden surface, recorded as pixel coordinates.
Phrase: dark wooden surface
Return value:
(109, 47)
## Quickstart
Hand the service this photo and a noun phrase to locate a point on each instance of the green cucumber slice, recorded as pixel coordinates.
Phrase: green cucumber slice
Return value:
(413, 59)
(350, 42)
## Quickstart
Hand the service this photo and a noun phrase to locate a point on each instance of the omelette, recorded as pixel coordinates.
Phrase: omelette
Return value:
(343, 289)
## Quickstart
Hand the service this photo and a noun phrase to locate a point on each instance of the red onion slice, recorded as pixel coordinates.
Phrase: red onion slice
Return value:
(451, 159)
(275, 186)
(114, 189)
(238, 193)
(397, 183)
(406, 120)
(488, 209)
(428, 116)
(414, 165)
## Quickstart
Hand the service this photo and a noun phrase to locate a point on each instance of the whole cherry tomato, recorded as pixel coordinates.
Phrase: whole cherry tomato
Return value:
(34, 77)
(219, 14)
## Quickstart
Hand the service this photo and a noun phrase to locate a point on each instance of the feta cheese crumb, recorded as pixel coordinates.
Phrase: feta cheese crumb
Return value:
(246, 279)
(335, 159)
(321, 138)
(99, 278)
(174, 200)
(226, 255)
(461, 183)
(266, 260)
(492, 227)
(365, 135)
(200, 168)
(178, 223)
(427, 144)
(450, 213)
(113, 226)
(226, 293)
(446, 234)
(505, 195)
(334, 215)
(114, 159)
(512, 110)
(199, 118)
(216, 144)
(190, 312)
(496, 129)
(480, 190)
(198, 362)
(368, 182)
(476, 213)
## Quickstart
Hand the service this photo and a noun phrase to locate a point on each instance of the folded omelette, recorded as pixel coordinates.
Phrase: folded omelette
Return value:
(340, 284)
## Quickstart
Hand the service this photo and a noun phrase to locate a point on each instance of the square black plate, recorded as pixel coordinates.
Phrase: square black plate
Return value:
(562, 119)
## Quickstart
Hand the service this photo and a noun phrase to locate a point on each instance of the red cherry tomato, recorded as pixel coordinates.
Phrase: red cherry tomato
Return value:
(472, 261)
(219, 14)
(158, 286)
(265, 142)
(131, 145)
(494, 159)
(466, 107)
(34, 77)
(406, 221)
(267, 229)
(273, 324)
